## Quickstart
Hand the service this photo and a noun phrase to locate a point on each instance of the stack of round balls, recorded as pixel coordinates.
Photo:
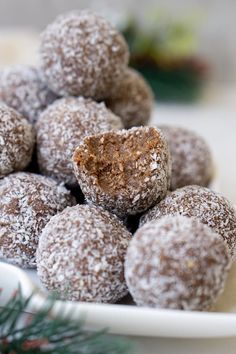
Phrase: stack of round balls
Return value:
(88, 112)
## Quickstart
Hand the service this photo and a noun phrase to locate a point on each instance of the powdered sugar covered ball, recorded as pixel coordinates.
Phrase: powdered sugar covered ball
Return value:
(176, 263)
(192, 161)
(81, 255)
(132, 100)
(22, 88)
(62, 127)
(126, 171)
(17, 140)
(28, 201)
(82, 54)
(209, 207)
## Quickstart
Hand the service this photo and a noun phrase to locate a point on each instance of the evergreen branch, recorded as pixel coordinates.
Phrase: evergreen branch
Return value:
(21, 332)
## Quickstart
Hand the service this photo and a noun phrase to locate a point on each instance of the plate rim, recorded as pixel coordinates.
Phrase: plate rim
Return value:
(125, 319)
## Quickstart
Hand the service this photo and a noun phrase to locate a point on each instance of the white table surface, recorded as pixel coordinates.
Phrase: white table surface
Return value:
(184, 346)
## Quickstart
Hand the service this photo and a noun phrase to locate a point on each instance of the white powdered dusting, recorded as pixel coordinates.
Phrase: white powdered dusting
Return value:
(28, 201)
(191, 157)
(22, 88)
(81, 255)
(62, 127)
(209, 207)
(17, 139)
(132, 100)
(82, 54)
(131, 177)
(177, 263)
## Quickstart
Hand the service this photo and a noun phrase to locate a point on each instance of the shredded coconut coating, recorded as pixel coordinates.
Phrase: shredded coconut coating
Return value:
(209, 207)
(28, 201)
(126, 171)
(132, 100)
(62, 127)
(22, 88)
(82, 54)
(81, 255)
(192, 161)
(17, 139)
(176, 263)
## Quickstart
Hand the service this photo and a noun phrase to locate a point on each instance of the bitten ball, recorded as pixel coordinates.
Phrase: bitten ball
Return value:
(176, 263)
(191, 157)
(28, 201)
(22, 88)
(209, 207)
(132, 99)
(62, 127)
(81, 255)
(17, 139)
(125, 171)
(82, 54)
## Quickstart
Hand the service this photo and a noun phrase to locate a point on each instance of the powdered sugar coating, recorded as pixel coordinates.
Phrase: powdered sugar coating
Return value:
(176, 263)
(209, 207)
(28, 201)
(191, 157)
(62, 127)
(126, 171)
(22, 88)
(81, 255)
(82, 54)
(17, 138)
(132, 100)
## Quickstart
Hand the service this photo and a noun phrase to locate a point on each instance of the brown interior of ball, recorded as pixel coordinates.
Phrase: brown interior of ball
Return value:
(118, 160)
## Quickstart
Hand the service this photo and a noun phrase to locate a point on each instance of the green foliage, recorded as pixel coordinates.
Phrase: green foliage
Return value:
(163, 49)
(162, 37)
(179, 84)
(21, 332)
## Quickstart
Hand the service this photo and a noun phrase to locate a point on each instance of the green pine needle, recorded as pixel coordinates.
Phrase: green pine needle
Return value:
(21, 332)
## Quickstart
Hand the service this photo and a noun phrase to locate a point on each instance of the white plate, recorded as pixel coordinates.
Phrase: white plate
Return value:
(132, 320)
(127, 319)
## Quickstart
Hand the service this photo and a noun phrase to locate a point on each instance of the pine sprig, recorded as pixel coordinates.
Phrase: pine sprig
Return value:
(39, 333)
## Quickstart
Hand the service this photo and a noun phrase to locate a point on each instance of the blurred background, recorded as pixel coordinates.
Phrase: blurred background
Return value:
(185, 49)
(205, 28)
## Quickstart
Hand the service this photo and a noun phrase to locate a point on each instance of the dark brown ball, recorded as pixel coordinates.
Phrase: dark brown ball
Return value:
(82, 54)
(191, 157)
(132, 99)
(22, 88)
(209, 207)
(176, 262)
(81, 255)
(28, 201)
(125, 171)
(62, 127)
(17, 140)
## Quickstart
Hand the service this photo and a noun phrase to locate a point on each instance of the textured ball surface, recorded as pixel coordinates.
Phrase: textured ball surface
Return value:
(22, 88)
(28, 201)
(126, 171)
(209, 207)
(17, 140)
(176, 263)
(191, 157)
(62, 127)
(81, 255)
(82, 54)
(132, 100)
